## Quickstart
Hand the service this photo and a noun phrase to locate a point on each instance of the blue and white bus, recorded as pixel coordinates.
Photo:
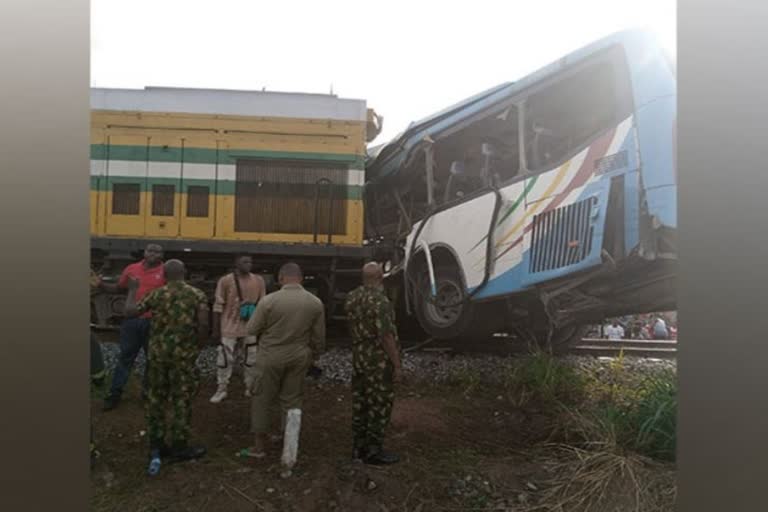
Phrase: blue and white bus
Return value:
(538, 206)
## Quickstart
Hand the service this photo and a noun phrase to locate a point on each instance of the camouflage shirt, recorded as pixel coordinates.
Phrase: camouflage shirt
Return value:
(370, 317)
(174, 307)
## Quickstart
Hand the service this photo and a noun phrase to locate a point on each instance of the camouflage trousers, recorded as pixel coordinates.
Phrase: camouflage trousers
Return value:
(171, 387)
(373, 394)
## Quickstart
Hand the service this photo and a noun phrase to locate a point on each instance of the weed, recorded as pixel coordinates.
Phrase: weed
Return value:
(653, 419)
(99, 386)
(641, 419)
(544, 378)
(614, 386)
(467, 379)
(460, 459)
(597, 480)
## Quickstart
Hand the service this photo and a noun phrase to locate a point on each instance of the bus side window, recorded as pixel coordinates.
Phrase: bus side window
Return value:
(506, 162)
(563, 117)
(482, 154)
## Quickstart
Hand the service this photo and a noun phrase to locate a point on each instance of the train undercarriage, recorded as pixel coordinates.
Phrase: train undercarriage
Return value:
(330, 271)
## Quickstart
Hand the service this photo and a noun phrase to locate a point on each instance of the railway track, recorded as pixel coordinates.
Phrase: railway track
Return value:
(596, 347)
(639, 348)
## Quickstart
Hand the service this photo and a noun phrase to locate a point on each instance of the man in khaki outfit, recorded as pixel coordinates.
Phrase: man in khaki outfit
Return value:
(236, 297)
(290, 328)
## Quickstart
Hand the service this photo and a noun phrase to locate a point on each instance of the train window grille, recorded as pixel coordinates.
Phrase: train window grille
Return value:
(163, 200)
(197, 201)
(126, 198)
(562, 237)
(285, 196)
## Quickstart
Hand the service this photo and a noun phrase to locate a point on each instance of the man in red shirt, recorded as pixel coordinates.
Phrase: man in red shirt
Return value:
(134, 332)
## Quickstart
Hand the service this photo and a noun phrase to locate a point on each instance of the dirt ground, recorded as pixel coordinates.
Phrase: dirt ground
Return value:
(457, 452)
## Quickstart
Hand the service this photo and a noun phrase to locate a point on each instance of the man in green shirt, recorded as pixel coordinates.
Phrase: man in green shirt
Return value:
(179, 326)
(289, 326)
(376, 365)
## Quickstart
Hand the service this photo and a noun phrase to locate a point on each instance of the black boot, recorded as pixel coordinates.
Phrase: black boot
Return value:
(111, 402)
(183, 452)
(358, 454)
(165, 450)
(378, 457)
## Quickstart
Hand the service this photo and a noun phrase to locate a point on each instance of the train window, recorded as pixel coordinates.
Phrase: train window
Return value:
(125, 198)
(564, 117)
(197, 201)
(163, 200)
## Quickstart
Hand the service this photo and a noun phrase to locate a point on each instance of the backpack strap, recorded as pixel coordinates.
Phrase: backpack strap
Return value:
(237, 285)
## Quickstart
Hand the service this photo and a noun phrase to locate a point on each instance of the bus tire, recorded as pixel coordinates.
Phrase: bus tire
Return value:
(449, 316)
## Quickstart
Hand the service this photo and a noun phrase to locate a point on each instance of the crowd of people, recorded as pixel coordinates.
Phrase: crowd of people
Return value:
(641, 327)
(280, 336)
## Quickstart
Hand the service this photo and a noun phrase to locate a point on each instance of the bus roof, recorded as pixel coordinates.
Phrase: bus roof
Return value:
(388, 158)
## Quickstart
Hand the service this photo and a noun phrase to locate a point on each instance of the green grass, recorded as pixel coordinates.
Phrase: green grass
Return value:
(615, 410)
(640, 417)
(653, 420)
(466, 379)
(100, 388)
(545, 379)
(460, 458)
(617, 446)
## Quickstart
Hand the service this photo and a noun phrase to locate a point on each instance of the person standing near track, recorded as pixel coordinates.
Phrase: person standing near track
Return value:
(134, 332)
(614, 331)
(180, 326)
(660, 331)
(236, 297)
(376, 365)
(289, 325)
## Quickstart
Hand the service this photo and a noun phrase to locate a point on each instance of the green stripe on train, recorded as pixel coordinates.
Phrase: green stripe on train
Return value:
(221, 187)
(211, 156)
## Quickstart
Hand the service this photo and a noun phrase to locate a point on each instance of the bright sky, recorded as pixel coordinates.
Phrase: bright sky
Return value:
(408, 59)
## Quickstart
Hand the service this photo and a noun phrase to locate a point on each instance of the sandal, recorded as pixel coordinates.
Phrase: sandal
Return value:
(248, 452)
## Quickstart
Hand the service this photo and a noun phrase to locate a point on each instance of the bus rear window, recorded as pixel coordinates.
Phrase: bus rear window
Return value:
(562, 118)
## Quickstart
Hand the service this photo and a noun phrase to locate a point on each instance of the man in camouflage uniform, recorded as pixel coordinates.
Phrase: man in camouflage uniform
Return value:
(179, 327)
(375, 363)
(98, 372)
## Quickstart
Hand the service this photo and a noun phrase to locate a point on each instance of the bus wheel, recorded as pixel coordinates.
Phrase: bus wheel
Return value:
(447, 315)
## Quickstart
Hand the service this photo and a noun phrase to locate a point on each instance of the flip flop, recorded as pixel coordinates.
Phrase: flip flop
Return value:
(247, 452)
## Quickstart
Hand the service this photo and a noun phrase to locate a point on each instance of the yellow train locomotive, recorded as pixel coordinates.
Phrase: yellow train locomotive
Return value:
(211, 173)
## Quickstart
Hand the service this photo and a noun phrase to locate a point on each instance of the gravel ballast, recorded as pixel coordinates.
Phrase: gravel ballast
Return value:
(437, 368)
